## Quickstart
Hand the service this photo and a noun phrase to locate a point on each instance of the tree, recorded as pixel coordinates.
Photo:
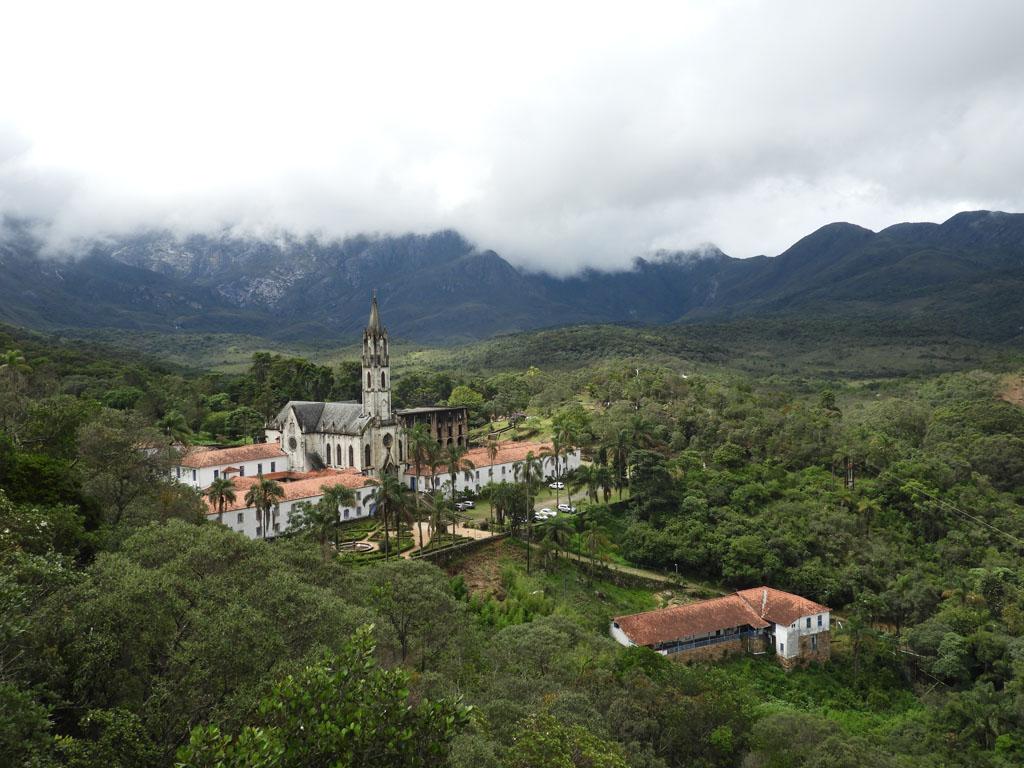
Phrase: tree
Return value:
(423, 450)
(221, 493)
(531, 470)
(392, 503)
(174, 425)
(122, 459)
(455, 460)
(263, 495)
(321, 520)
(413, 598)
(344, 710)
(544, 742)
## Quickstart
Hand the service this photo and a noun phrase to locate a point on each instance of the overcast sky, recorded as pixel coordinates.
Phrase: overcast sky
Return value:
(559, 134)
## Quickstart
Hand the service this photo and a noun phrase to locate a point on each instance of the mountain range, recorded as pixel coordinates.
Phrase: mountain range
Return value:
(965, 275)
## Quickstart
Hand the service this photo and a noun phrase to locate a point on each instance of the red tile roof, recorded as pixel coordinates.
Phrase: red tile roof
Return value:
(780, 607)
(674, 622)
(508, 452)
(738, 609)
(297, 485)
(200, 458)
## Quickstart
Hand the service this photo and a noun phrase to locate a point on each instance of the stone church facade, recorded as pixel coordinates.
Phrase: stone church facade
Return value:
(364, 436)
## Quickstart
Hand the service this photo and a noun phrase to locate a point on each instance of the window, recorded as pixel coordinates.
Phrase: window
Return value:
(819, 619)
(351, 457)
(241, 470)
(273, 466)
(382, 380)
(808, 622)
(814, 642)
(178, 471)
(366, 455)
(328, 453)
(259, 469)
(193, 475)
(216, 474)
(259, 531)
(782, 647)
(344, 514)
(369, 383)
(359, 495)
(241, 517)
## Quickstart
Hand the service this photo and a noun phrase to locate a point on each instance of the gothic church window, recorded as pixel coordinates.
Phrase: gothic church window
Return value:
(382, 379)
(366, 453)
(328, 453)
(351, 457)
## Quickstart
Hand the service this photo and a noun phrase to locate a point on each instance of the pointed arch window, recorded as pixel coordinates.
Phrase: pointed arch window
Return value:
(369, 382)
(328, 453)
(351, 457)
(366, 456)
(383, 380)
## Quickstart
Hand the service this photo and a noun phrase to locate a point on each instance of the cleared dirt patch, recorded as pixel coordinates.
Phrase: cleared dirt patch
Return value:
(1013, 389)
(481, 569)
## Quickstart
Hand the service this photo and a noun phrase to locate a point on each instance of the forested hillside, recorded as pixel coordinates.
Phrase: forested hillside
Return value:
(135, 632)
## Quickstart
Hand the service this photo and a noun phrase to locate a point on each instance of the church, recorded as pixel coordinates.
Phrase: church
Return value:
(364, 436)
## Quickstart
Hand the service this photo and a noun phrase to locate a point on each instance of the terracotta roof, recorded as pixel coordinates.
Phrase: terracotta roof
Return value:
(297, 485)
(780, 607)
(674, 622)
(508, 452)
(200, 458)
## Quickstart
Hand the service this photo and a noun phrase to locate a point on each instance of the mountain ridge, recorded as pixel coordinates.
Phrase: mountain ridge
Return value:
(440, 287)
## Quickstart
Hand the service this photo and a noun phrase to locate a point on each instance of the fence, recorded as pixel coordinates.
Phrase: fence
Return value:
(444, 553)
(689, 645)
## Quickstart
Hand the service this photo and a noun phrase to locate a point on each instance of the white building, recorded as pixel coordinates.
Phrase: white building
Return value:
(298, 487)
(500, 469)
(199, 467)
(755, 620)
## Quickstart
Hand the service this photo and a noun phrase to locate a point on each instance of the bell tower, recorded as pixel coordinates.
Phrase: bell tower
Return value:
(376, 367)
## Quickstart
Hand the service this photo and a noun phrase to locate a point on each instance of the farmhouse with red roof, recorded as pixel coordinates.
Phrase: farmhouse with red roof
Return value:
(759, 620)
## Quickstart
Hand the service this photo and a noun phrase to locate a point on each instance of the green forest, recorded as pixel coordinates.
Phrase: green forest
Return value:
(887, 484)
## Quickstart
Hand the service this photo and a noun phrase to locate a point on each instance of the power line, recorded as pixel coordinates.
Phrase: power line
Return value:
(1016, 540)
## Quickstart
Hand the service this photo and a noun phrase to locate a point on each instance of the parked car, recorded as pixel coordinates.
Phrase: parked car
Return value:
(557, 486)
(461, 505)
(544, 514)
(467, 504)
(566, 508)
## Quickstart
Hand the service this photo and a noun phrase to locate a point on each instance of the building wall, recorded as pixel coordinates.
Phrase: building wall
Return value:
(201, 478)
(620, 637)
(788, 639)
(281, 515)
(498, 473)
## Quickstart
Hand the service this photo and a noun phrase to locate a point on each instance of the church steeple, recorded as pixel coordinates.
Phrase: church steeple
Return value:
(374, 325)
(376, 366)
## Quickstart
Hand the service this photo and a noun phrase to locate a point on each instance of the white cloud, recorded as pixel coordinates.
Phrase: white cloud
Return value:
(558, 134)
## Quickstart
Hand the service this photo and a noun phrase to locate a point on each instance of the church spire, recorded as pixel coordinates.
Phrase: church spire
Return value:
(374, 325)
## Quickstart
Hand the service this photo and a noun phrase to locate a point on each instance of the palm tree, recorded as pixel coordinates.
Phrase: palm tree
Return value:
(392, 502)
(320, 520)
(455, 459)
(595, 540)
(555, 452)
(221, 493)
(334, 498)
(587, 476)
(174, 425)
(559, 532)
(620, 460)
(604, 480)
(566, 437)
(263, 496)
(531, 470)
(422, 447)
(13, 362)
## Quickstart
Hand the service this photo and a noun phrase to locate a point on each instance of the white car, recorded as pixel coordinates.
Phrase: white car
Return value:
(566, 508)
(468, 504)
(557, 486)
(544, 514)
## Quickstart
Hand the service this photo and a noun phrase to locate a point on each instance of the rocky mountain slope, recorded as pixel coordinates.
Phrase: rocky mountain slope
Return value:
(967, 274)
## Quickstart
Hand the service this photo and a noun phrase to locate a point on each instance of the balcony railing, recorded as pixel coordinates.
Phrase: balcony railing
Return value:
(691, 644)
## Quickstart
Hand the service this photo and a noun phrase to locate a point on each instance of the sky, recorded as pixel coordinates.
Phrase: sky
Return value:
(560, 134)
